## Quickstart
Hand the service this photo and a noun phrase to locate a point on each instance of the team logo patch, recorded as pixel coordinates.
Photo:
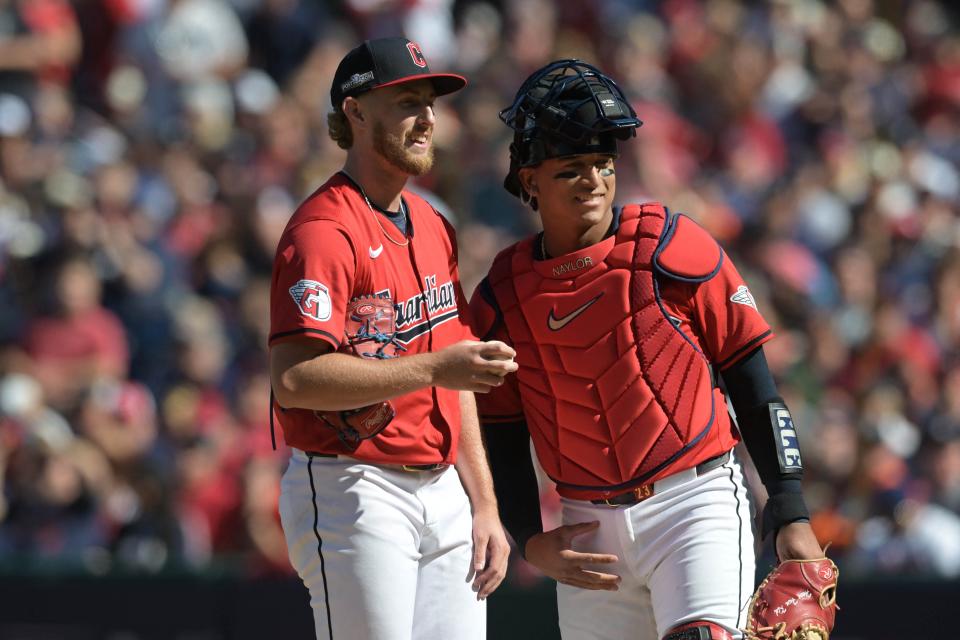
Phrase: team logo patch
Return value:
(744, 297)
(788, 445)
(416, 55)
(312, 298)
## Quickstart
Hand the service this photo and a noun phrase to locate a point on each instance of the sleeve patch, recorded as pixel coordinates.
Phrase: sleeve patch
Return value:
(688, 252)
(788, 446)
(743, 296)
(313, 299)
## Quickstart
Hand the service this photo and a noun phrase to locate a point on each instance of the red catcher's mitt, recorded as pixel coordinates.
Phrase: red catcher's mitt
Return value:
(370, 332)
(797, 601)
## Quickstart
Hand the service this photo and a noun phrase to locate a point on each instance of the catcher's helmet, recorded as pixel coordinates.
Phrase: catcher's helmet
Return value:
(566, 108)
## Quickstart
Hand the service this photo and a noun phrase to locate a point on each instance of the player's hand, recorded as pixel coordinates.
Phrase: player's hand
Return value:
(473, 366)
(490, 553)
(796, 541)
(551, 553)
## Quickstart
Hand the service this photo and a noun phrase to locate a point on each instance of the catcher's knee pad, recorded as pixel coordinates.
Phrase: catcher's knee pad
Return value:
(698, 630)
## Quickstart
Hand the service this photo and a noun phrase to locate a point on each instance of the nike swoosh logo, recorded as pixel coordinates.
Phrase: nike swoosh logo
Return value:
(556, 323)
(375, 253)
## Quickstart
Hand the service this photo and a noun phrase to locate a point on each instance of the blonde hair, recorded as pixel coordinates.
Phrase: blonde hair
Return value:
(338, 127)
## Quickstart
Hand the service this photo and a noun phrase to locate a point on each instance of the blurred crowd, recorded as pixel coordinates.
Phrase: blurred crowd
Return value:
(151, 152)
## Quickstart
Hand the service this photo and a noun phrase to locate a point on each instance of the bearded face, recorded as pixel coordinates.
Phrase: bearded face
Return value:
(410, 151)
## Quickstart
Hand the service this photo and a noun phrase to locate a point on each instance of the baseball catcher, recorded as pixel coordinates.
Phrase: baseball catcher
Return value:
(633, 329)
(797, 601)
(370, 332)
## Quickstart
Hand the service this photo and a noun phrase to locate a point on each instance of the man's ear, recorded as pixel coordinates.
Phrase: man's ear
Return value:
(354, 111)
(528, 180)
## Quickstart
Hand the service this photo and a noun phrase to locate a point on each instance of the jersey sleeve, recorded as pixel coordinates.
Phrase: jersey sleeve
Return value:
(313, 277)
(501, 404)
(723, 312)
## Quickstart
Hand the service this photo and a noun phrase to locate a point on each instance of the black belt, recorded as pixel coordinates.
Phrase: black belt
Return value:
(437, 466)
(644, 491)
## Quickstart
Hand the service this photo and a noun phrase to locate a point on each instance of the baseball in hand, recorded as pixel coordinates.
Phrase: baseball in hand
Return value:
(496, 350)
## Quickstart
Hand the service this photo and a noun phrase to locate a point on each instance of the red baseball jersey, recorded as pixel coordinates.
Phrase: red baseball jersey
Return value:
(336, 248)
(573, 336)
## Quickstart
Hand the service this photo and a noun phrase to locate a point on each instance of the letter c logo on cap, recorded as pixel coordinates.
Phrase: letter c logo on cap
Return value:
(416, 54)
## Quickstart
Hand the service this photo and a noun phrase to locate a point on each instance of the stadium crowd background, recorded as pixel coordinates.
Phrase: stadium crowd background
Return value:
(151, 152)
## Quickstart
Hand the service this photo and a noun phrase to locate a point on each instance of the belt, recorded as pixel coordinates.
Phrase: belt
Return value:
(644, 491)
(410, 468)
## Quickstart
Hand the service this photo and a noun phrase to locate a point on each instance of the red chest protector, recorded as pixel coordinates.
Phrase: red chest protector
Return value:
(614, 394)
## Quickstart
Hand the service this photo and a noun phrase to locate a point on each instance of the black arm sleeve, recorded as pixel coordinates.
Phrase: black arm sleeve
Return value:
(751, 388)
(514, 480)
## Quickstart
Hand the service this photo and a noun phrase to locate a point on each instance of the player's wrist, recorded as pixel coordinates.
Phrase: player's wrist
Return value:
(484, 508)
(783, 509)
(421, 370)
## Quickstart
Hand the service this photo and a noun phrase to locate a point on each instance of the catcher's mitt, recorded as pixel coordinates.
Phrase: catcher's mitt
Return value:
(370, 332)
(797, 601)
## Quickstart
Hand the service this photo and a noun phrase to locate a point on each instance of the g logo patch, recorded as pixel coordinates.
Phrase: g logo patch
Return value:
(312, 298)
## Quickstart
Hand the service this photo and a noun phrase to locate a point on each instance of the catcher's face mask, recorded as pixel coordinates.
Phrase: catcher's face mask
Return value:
(566, 108)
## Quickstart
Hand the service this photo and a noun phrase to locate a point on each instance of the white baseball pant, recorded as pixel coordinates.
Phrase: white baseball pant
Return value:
(685, 554)
(386, 554)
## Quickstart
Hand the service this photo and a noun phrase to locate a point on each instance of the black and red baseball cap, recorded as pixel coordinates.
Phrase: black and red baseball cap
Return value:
(384, 62)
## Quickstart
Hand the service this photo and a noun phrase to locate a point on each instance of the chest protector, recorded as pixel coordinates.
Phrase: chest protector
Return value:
(614, 393)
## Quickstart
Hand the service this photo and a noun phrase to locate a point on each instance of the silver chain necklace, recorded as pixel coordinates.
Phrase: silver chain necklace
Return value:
(374, 213)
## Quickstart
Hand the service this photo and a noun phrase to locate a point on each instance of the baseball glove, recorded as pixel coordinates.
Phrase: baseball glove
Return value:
(370, 332)
(797, 601)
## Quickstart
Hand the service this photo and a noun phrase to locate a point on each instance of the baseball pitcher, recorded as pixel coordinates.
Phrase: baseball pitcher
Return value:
(373, 370)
